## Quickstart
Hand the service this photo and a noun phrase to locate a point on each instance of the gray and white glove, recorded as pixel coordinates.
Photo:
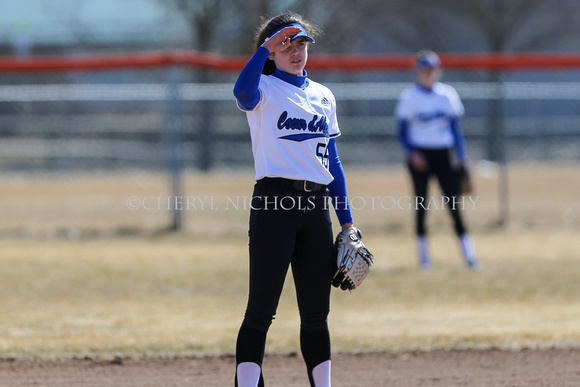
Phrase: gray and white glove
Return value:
(353, 259)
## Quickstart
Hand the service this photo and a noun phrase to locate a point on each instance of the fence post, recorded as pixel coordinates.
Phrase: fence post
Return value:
(173, 137)
(496, 148)
(206, 129)
(206, 138)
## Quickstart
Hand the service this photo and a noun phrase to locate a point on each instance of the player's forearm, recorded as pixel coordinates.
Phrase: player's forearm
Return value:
(459, 139)
(246, 87)
(402, 135)
(337, 188)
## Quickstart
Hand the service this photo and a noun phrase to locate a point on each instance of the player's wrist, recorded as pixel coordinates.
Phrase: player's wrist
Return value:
(346, 226)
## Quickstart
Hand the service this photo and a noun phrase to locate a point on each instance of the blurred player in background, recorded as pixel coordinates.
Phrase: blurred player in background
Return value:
(429, 129)
(293, 125)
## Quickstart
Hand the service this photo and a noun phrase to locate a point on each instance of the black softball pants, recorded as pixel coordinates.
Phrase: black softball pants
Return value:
(288, 228)
(440, 166)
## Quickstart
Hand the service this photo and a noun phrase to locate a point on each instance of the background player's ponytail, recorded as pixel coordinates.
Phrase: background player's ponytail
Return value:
(269, 25)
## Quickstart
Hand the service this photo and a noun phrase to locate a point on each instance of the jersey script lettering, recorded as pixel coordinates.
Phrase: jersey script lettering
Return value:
(315, 125)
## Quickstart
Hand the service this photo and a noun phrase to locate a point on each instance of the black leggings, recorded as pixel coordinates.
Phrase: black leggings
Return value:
(288, 227)
(439, 165)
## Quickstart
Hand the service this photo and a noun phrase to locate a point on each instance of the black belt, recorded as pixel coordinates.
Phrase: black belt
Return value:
(298, 185)
(307, 186)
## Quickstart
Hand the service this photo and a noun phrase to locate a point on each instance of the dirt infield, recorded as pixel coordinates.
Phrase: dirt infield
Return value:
(549, 367)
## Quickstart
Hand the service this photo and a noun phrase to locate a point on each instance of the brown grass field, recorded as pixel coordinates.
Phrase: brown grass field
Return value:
(84, 276)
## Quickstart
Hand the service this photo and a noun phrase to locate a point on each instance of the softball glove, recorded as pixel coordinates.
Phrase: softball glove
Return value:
(353, 259)
(464, 178)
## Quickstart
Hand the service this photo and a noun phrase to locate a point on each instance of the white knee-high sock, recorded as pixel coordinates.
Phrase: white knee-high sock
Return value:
(248, 374)
(423, 250)
(321, 374)
(468, 248)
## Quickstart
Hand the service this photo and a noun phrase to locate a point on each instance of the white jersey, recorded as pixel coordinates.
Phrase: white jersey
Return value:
(428, 114)
(290, 130)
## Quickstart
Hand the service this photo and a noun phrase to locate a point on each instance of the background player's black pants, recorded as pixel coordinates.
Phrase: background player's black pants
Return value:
(440, 166)
(288, 228)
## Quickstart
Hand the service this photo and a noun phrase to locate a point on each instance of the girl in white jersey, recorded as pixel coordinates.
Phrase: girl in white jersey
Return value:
(293, 124)
(429, 114)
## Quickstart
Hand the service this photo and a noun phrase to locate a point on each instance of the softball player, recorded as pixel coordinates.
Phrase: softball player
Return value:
(429, 128)
(293, 125)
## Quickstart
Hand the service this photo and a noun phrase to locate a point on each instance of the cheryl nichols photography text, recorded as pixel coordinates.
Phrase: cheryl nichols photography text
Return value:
(285, 203)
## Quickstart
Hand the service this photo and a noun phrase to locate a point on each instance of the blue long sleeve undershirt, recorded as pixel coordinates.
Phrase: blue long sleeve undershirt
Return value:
(337, 188)
(457, 133)
(402, 135)
(246, 88)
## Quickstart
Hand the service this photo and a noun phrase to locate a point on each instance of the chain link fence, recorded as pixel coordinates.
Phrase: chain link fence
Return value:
(160, 121)
(108, 126)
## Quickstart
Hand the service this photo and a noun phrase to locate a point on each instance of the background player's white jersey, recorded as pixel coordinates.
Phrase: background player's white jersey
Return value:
(290, 130)
(428, 114)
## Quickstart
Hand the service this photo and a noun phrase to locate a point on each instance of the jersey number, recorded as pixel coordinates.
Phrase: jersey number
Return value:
(322, 153)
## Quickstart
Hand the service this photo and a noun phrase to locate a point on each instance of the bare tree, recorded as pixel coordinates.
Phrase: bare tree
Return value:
(202, 18)
(518, 25)
(227, 26)
(447, 25)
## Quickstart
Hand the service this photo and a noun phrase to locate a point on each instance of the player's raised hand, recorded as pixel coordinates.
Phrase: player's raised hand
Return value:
(281, 39)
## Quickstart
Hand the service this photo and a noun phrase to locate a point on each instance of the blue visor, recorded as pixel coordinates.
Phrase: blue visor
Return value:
(428, 61)
(302, 33)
